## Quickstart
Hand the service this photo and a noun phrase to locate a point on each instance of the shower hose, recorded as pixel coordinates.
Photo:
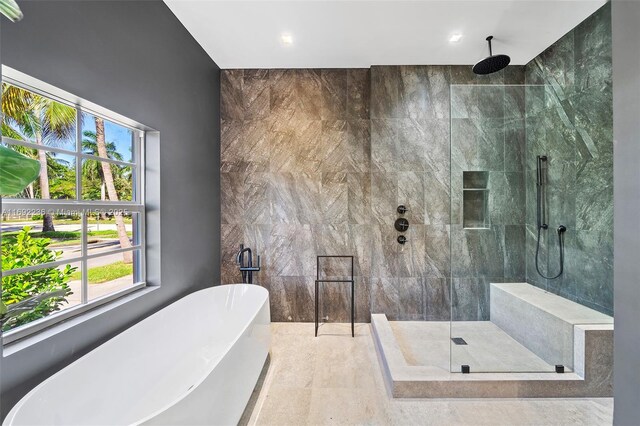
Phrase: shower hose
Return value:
(561, 231)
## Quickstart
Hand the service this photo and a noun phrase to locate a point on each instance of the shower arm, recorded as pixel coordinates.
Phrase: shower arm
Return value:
(489, 40)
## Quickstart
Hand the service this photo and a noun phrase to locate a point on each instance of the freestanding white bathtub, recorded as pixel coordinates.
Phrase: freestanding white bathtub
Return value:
(194, 362)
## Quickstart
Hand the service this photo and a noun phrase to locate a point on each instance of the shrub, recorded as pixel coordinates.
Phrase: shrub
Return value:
(24, 251)
(67, 216)
(59, 235)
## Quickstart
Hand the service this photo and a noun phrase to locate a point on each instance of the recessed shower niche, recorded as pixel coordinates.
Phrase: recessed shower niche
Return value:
(475, 200)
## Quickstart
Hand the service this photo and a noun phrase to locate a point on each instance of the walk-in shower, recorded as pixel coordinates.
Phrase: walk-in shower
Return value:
(497, 199)
(518, 155)
(528, 275)
(511, 205)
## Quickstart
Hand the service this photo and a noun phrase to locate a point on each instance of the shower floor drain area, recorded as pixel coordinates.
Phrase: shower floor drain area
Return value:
(458, 341)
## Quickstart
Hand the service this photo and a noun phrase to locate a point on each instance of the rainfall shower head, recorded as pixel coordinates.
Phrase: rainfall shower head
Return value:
(493, 63)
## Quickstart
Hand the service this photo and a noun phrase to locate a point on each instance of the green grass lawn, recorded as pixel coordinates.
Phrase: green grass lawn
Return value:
(64, 243)
(101, 274)
(110, 233)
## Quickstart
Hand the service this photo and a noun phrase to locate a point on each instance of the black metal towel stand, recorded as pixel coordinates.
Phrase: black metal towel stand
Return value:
(318, 281)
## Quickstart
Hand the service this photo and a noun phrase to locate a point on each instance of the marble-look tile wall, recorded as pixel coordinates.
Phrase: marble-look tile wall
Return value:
(411, 141)
(295, 177)
(570, 119)
(316, 161)
(410, 166)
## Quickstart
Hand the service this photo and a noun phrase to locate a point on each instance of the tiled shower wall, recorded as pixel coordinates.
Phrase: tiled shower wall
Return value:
(295, 177)
(317, 161)
(410, 166)
(410, 159)
(571, 121)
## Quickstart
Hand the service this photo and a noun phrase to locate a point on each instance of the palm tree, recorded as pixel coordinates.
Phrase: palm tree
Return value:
(101, 146)
(92, 168)
(34, 118)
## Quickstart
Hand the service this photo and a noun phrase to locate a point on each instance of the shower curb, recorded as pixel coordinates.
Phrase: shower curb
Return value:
(592, 378)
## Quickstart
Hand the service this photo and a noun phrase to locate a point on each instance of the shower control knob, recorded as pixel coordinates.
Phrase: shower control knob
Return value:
(402, 239)
(402, 209)
(401, 224)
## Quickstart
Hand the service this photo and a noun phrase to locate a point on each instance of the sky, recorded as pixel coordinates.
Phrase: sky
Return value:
(120, 135)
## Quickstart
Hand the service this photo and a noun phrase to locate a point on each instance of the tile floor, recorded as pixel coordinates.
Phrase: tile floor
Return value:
(488, 348)
(336, 379)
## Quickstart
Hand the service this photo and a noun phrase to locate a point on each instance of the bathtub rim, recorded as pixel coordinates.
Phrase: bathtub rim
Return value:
(16, 408)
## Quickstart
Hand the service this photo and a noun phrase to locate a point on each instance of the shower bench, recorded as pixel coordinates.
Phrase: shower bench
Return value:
(543, 322)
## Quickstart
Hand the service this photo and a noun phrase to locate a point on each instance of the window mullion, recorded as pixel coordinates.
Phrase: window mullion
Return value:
(84, 292)
(53, 205)
(62, 262)
(141, 227)
(78, 152)
(116, 251)
(84, 273)
(48, 265)
(57, 150)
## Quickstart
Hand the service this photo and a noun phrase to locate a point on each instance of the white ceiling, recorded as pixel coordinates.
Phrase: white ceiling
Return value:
(345, 34)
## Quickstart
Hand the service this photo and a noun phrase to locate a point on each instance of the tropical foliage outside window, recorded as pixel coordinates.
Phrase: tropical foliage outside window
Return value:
(73, 236)
(10, 9)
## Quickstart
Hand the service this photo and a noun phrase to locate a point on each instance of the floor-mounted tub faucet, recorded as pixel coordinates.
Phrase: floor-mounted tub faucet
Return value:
(247, 269)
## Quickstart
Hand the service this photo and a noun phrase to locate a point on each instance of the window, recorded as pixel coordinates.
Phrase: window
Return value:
(74, 238)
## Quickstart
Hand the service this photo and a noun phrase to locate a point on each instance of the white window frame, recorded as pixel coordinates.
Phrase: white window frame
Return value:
(137, 205)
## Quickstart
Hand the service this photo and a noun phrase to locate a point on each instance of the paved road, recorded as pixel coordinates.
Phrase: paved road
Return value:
(37, 226)
(69, 252)
(75, 250)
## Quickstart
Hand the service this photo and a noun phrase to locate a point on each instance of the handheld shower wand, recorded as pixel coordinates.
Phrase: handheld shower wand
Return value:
(540, 181)
(541, 217)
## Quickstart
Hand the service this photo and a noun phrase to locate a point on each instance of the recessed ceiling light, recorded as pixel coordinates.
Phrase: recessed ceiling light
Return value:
(286, 39)
(455, 38)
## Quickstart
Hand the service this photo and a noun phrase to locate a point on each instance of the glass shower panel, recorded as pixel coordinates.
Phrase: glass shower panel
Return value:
(491, 222)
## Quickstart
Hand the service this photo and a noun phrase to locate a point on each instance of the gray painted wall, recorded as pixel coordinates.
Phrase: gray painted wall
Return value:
(626, 157)
(135, 58)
